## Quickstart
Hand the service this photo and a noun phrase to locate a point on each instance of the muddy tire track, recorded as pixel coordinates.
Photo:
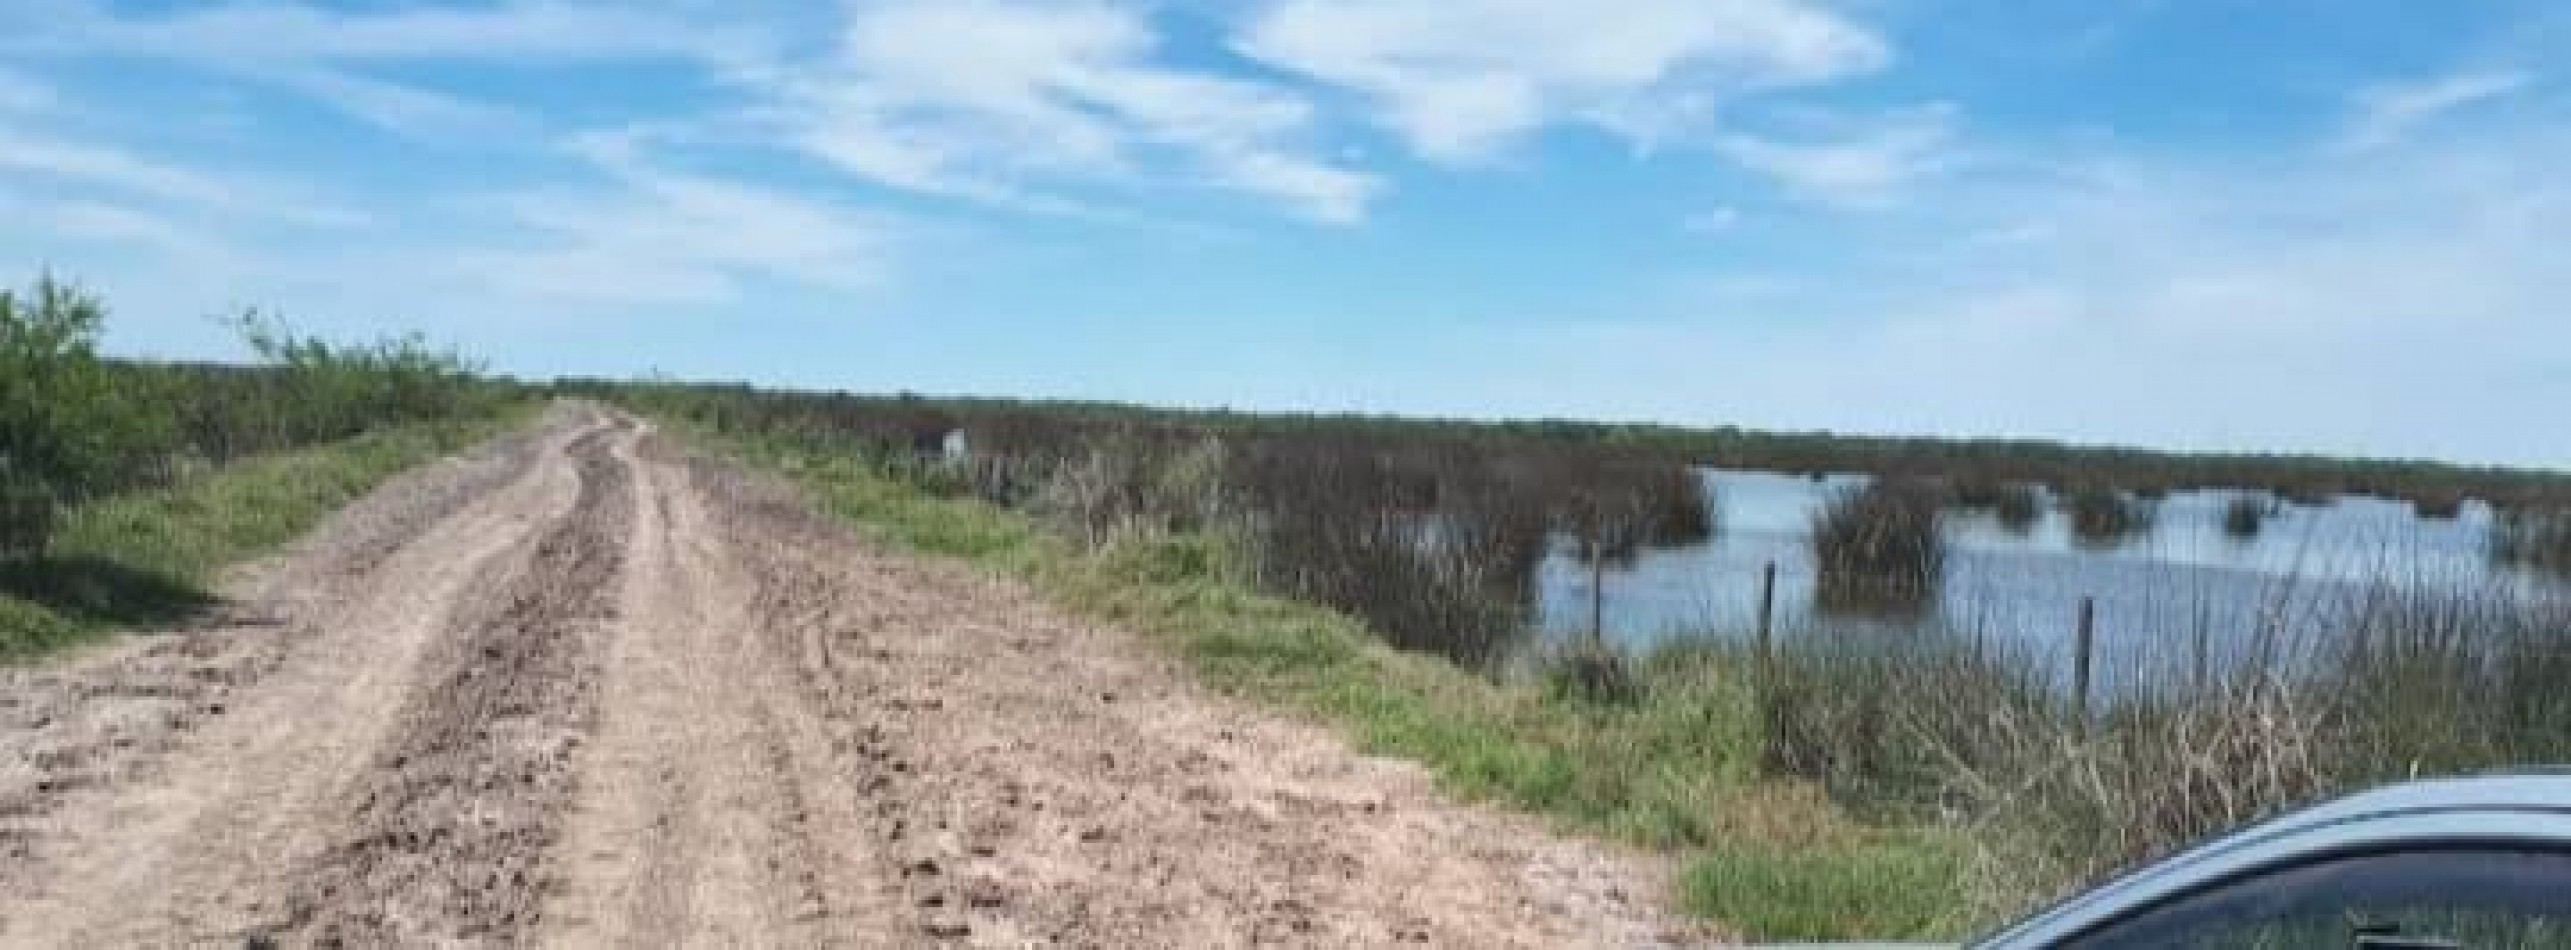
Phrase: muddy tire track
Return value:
(450, 837)
(197, 784)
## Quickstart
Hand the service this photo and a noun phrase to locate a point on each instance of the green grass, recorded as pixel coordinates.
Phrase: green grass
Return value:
(1851, 890)
(149, 558)
(1676, 770)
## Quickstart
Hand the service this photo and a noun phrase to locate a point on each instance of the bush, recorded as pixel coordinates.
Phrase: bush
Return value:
(74, 426)
(2101, 515)
(2244, 515)
(2019, 507)
(2438, 506)
(2539, 538)
(1879, 547)
(66, 431)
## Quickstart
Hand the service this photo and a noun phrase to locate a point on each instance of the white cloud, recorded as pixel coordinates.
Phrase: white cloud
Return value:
(122, 225)
(1011, 92)
(2385, 114)
(2400, 303)
(249, 32)
(324, 53)
(126, 172)
(405, 110)
(1857, 164)
(666, 238)
(1462, 79)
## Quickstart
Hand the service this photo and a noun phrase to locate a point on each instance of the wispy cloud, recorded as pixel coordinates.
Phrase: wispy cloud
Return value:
(662, 238)
(125, 226)
(1853, 162)
(409, 111)
(272, 31)
(1017, 93)
(125, 171)
(2385, 114)
(325, 53)
(1462, 79)
(2396, 306)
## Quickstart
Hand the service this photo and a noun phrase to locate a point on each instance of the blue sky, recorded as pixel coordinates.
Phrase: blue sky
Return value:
(2332, 225)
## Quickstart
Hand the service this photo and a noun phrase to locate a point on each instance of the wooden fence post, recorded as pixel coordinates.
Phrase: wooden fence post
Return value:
(1767, 616)
(2083, 645)
(2204, 662)
(1597, 594)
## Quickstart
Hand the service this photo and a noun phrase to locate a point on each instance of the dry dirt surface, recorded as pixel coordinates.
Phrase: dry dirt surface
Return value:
(582, 688)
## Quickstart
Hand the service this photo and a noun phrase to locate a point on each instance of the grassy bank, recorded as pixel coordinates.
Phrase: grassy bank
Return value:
(150, 557)
(1676, 767)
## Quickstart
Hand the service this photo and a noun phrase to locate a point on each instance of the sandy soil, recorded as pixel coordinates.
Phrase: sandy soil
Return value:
(581, 688)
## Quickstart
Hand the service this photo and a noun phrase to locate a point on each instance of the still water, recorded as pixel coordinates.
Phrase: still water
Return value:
(2153, 589)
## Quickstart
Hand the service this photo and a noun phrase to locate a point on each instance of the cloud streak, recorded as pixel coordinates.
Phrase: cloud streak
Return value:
(1461, 80)
(2385, 115)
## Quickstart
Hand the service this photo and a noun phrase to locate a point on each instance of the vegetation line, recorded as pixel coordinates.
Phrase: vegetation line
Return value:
(125, 485)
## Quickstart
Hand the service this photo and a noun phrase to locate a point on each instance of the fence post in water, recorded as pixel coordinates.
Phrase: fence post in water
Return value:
(2204, 664)
(1597, 595)
(1767, 615)
(2081, 647)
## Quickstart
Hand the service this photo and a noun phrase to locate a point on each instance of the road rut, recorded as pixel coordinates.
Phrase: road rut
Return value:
(581, 687)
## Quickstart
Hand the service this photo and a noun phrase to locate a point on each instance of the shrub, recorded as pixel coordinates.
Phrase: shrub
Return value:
(2439, 506)
(1879, 546)
(2539, 537)
(2101, 515)
(66, 432)
(2019, 507)
(2244, 515)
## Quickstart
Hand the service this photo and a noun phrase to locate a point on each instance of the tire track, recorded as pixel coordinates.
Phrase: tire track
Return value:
(186, 842)
(451, 835)
(1032, 779)
(709, 803)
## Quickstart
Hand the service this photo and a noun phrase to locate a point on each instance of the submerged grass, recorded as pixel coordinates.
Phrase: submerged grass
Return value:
(1879, 547)
(150, 557)
(1666, 756)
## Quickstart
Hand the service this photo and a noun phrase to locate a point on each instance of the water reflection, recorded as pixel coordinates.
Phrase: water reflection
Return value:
(2162, 589)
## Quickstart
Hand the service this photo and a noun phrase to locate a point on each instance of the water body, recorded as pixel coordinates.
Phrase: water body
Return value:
(2153, 589)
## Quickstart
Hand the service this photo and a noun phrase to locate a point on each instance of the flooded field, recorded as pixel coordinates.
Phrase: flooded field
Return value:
(2154, 589)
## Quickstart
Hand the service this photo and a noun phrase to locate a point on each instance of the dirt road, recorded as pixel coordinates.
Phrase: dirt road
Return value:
(581, 688)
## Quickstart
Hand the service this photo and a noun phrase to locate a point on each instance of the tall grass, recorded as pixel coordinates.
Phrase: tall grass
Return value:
(2405, 681)
(1879, 547)
(2536, 537)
